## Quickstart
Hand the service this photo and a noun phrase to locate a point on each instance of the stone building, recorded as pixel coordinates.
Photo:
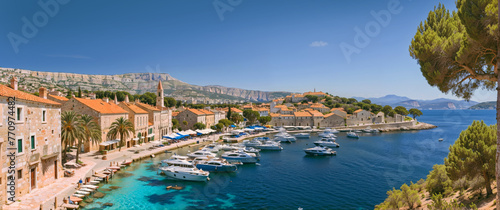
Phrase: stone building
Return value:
(58, 99)
(209, 117)
(154, 118)
(191, 117)
(104, 112)
(138, 117)
(37, 138)
(332, 120)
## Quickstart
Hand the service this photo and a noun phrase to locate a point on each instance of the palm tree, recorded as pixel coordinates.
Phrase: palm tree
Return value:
(70, 130)
(90, 132)
(122, 127)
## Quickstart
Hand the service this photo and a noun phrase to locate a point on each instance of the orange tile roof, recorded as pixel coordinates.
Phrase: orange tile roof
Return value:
(205, 111)
(314, 93)
(359, 110)
(147, 106)
(134, 108)
(196, 111)
(101, 106)
(150, 123)
(287, 115)
(174, 114)
(274, 115)
(339, 109)
(61, 98)
(316, 113)
(328, 115)
(302, 114)
(7, 91)
(317, 106)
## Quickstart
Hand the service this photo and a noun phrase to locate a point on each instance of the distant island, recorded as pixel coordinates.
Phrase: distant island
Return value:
(485, 105)
(435, 104)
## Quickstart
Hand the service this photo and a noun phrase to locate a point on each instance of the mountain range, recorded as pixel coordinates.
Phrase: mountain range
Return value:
(135, 83)
(485, 105)
(440, 103)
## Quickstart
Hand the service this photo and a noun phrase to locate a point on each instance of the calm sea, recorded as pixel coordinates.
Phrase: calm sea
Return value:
(357, 178)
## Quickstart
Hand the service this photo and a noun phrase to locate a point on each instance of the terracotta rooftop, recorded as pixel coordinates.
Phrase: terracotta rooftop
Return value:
(150, 123)
(317, 106)
(314, 93)
(196, 111)
(147, 106)
(205, 111)
(134, 108)
(101, 106)
(359, 110)
(7, 91)
(316, 113)
(339, 109)
(302, 114)
(61, 98)
(174, 114)
(274, 114)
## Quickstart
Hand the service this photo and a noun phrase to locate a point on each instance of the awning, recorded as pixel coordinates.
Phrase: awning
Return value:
(110, 142)
(233, 126)
(190, 132)
(135, 139)
(150, 135)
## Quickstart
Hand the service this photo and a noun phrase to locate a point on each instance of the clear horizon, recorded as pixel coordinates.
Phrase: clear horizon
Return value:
(294, 46)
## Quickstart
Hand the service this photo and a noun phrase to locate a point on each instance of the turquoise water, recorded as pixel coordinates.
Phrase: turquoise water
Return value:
(357, 178)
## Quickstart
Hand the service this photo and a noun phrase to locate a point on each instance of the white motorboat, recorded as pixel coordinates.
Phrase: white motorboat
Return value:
(285, 138)
(328, 132)
(185, 173)
(271, 145)
(319, 151)
(214, 148)
(352, 135)
(302, 135)
(370, 130)
(201, 153)
(217, 165)
(227, 147)
(251, 143)
(262, 138)
(327, 142)
(240, 156)
(175, 159)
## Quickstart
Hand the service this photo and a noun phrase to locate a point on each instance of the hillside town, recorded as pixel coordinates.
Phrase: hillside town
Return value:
(38, 125)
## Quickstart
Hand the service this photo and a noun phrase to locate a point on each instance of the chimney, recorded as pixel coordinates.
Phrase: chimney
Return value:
(106, 99)
(13, 83)
(42, 92)
(126, 99)
(116, 99)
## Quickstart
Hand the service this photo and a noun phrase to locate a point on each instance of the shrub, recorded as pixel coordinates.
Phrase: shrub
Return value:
(438, 181)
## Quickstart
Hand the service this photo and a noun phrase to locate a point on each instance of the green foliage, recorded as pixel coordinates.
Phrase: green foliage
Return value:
(185, 123)
(351, 100)
(386, 110)
(90, 132)
(401, 110)
(178, 104)
(312, 98)
(199, 126)
(236, 118)
(229, 114)
(410, 196)
(175, 124)
(438, 181)
(79, 92)
(219, 126)
(394, 200)
(438, 203)
(70, 130)
(264, 119)
(366, 101)
(457, 51)
(226, 122)
(473, 154)
(121, 127)
(251, 115)
(148, 98)
(415, 113)
(169, 102)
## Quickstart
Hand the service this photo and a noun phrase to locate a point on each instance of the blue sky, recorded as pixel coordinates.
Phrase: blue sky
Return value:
(287, 45)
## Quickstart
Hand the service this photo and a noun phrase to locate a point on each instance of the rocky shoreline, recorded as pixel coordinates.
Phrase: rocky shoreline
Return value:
(419, 126)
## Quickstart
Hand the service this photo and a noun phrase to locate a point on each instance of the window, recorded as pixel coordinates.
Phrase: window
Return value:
(33, 142)
(44, 114)
(20, 174)
(20, 146)
(19, 114)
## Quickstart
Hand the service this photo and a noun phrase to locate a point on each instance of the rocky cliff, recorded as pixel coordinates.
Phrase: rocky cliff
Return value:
(133, 83)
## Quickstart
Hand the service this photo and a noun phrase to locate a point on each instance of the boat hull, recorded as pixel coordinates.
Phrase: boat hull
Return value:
(248, 160)
(184, 176)
(327, 145)
(213, 168)
(320, 154)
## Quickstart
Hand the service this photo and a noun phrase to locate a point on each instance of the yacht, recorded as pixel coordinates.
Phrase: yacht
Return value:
(328, 132)
(252, 150)
(185, 173)
(327, 142)
(177, 167)
(240, 156)
(285, 138)
(370, 130)
(319, 151)
(201, 153)
(227, 147)
(302, 135)
(175, 159)
(216, 165)
(214, 148)
(261, 138)
(251, 143)
(271, 145)
(352, 135)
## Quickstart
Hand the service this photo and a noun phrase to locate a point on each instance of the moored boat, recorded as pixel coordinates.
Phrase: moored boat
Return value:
(240, 156)
(216, 165)
(271, 146)
(352, 135)
(302, 135)
(319, 151)
(327, 142)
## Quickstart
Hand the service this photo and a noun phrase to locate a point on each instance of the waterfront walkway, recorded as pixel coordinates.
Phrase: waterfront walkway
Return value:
(52, 195)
